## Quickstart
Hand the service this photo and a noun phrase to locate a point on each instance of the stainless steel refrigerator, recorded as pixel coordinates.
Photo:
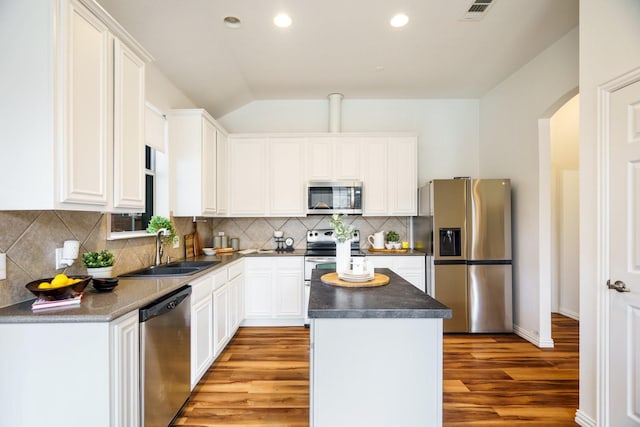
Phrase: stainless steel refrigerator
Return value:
(470, 221)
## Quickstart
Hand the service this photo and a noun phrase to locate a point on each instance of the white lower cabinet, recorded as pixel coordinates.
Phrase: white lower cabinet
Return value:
(274, 291)
(109, 387)
(227, 304)
(410, 268)
(201, 327)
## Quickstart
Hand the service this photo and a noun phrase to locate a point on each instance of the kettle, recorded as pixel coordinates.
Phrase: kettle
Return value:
(377, 240)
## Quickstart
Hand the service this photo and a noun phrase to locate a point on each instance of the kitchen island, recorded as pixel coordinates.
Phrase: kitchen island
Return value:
(376, 355)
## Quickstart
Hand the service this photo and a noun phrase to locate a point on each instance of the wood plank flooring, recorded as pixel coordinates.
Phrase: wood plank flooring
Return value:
(262, 379)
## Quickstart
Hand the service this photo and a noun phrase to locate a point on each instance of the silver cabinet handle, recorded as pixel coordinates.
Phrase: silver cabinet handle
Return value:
(619, 286)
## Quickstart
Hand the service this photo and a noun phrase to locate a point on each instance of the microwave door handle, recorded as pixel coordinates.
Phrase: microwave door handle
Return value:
(353, 197)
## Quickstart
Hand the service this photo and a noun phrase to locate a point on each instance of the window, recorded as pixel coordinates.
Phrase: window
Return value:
(128, 225)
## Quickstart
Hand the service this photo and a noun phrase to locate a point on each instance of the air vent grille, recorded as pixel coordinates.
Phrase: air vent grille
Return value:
(477, 10)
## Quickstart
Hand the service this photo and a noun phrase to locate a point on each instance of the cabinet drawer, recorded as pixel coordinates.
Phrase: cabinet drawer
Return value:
(235, 269)
(201, 287)
(219, 278)
(409, 261)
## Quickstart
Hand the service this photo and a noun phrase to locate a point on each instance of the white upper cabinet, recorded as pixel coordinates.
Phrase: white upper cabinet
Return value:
(193, 137)
(390, 176)
(286, 183)
(333, 158)
(87, 52)
(128, 129)
(222, 174)
(247, 176)
(73, 111)
(266, 176)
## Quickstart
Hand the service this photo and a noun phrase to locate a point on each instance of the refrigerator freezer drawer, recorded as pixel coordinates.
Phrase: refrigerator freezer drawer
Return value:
(490, 301)
(450, 288)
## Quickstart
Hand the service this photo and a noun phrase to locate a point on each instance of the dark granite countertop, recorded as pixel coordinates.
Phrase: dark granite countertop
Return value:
(409, 252)
(399, 299)
(129, 295)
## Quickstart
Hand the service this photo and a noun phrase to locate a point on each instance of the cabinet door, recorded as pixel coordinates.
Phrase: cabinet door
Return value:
(248, 176)
(287, 177)
(374, 167)
(222, 174)
(209, 165)
(125, 351)
(201, 328)
(320, 159)
(258, 292)
(346, 158)
(220, 319)
(403, 176)
(289, 288)
(128, 129)
(86, 99)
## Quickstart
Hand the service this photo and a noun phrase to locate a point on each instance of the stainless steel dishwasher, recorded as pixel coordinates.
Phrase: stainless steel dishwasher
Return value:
(165, 353)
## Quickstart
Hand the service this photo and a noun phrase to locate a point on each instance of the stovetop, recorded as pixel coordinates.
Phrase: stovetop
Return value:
(320, 242)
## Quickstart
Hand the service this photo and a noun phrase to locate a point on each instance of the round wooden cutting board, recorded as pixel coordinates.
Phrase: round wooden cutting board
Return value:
(332, 279)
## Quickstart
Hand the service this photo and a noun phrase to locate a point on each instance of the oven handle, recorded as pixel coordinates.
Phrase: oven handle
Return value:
(320, 260)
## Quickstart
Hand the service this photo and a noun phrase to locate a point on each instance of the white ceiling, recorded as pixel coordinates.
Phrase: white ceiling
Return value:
(339, 46)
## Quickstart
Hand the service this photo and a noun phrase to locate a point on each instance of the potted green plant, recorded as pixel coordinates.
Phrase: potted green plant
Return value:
(99, 264)
(393, 240)
(157, 223)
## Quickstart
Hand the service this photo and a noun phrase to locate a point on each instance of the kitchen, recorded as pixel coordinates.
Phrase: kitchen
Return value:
(436, 119)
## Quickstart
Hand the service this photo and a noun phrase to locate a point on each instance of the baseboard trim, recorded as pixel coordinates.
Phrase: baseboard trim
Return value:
(572, 314)
(584, 420)
(532, 337)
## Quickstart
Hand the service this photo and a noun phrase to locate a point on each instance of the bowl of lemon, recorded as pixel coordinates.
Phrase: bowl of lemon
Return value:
(59, 287)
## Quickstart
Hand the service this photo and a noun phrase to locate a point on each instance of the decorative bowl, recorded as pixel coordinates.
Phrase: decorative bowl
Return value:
(209, 251)
(389, 245)
(63, 292)
(104, 284)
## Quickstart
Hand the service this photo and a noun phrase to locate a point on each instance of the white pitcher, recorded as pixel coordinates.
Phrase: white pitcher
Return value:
(377, 240)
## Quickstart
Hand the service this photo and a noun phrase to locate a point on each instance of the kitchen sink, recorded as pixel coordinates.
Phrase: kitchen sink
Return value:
(179, 268)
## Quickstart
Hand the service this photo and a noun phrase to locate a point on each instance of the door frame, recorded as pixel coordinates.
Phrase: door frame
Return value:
(603, 267)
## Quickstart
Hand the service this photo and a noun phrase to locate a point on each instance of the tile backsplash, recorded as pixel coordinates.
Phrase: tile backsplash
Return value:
(258, 232)
(30, 238)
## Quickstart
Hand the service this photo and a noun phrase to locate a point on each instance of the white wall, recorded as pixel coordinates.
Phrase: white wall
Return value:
(162, 93)
(609, 34)
(565, 209)
(509, 115)
(447, 128)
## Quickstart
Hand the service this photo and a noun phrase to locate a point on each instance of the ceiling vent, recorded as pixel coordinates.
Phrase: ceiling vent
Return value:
(477, 10)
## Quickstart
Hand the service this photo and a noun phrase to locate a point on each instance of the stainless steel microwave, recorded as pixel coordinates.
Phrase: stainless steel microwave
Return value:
(328, 197)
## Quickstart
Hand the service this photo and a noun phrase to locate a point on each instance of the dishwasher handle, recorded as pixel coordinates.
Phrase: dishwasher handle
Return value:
(164, 305)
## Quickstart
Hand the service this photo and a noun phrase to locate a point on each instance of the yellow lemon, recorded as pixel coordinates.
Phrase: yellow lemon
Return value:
(59, 280)
(44, 285)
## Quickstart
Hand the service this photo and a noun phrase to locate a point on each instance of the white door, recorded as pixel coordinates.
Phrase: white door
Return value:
(624, 245)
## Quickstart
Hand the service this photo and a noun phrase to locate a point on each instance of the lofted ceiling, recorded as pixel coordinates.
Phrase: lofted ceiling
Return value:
(342, 46)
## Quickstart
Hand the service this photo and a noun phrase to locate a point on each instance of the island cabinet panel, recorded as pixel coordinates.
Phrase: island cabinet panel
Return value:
(356, 381)
(274, 291)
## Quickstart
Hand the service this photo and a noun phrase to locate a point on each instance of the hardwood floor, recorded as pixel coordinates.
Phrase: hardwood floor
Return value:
(493, 380)
(262, 379)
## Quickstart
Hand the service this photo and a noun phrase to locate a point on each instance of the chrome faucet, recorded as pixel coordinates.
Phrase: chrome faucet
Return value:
(159, 248)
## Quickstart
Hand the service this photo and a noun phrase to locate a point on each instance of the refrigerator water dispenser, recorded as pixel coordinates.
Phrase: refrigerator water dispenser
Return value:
(450, 242)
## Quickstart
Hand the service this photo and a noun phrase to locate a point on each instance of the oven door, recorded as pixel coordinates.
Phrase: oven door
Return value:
(311, 263)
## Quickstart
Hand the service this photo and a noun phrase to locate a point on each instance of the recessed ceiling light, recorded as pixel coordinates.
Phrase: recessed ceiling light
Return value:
(399, 20)
(282, 20)
(232, 22)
